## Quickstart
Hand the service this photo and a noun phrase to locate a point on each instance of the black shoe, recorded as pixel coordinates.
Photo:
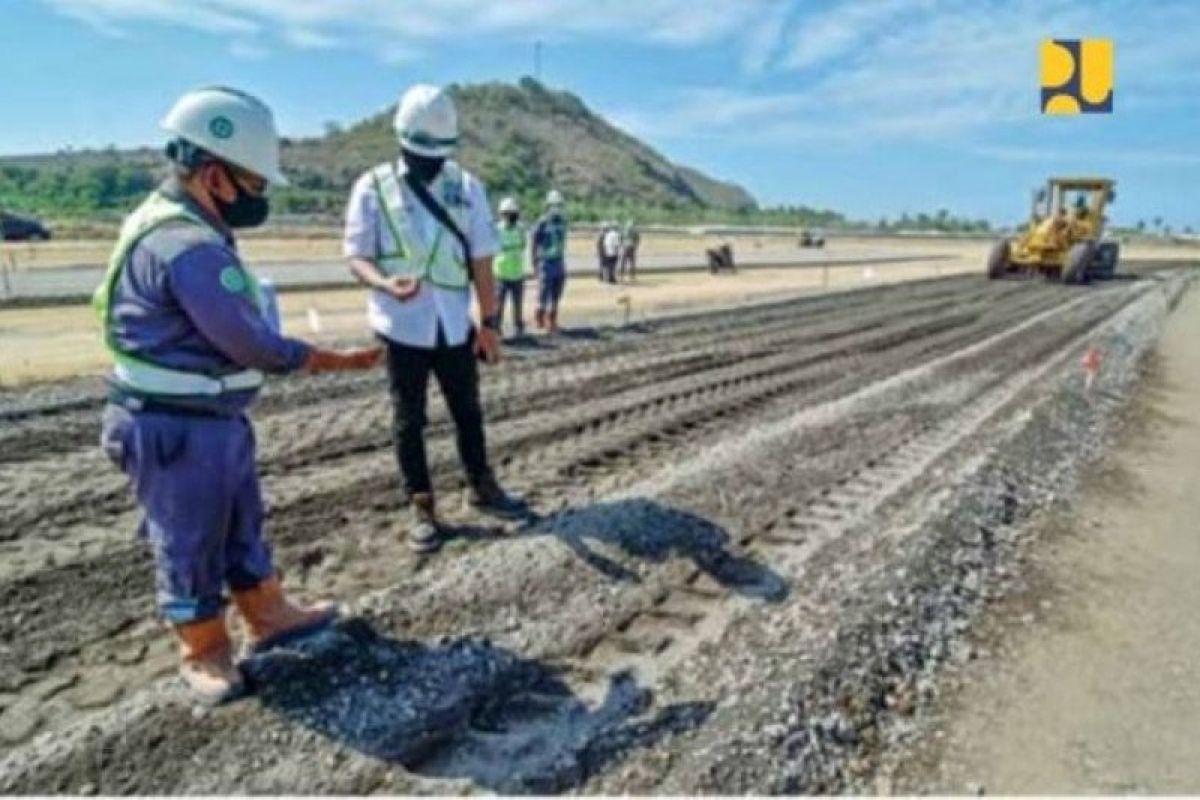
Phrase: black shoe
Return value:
(487, 497)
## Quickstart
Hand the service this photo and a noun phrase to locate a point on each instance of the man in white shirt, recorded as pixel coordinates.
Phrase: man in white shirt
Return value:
(610, 251)
(419, 233)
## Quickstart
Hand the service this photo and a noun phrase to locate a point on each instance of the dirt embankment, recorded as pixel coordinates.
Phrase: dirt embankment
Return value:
(1093, 688)
(759, 536)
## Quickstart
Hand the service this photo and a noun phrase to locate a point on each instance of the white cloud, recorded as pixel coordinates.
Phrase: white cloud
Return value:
(306, 39)
(1140, 156)
(248, 51)
(885, 70)
(107, 15)
(844, 28)
(843, 73)
(413, 23)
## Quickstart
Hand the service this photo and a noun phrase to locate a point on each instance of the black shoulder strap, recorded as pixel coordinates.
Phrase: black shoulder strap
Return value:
(440, 214)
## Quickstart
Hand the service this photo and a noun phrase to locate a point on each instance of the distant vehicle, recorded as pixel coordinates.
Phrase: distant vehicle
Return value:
(812, 239)
(22, 229)
(720, 258)
(1065, 235)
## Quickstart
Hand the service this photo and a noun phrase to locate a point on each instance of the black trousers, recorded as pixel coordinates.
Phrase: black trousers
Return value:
(458, 376)
(608, 269)
(628, 263)
(515, 290)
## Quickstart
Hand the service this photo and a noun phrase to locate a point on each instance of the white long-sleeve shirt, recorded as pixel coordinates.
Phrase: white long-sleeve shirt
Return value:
(415, 322)
(612, 243)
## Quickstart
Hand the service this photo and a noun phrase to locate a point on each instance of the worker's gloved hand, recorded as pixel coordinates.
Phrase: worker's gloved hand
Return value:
(320, 360)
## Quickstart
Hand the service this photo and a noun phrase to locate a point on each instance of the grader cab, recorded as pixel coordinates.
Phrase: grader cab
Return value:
(1064, 237)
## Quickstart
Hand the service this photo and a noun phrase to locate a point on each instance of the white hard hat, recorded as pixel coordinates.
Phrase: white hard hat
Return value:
(554, 198)
(427, 122)
(508, 206)
(233, 126)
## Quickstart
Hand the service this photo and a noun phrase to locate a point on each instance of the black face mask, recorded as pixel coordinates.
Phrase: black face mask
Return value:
(244, 211)
(423, 168)
(510, 218)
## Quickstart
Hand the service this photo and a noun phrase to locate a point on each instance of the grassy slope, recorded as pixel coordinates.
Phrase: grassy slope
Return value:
(520, 139)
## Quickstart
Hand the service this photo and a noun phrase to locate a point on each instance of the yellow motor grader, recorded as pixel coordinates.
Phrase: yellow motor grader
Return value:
(1063, 239)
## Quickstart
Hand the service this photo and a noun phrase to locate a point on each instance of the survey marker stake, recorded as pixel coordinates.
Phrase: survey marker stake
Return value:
(1091, 366)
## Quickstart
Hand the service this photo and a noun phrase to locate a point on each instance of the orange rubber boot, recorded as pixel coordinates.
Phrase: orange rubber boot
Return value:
(271, 618)
(206, 661)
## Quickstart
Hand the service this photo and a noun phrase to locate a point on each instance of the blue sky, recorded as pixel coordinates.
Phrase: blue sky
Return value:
(872, 107)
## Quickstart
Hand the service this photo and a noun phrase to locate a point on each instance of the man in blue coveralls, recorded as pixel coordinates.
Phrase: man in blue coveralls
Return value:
(187, 327)
(549, 246)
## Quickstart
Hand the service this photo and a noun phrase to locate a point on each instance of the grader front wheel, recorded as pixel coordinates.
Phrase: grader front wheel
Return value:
(999, 260)
(1079, 258)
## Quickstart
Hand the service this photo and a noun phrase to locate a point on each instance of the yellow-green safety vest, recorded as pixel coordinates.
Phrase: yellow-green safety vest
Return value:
(134, 372)
(440, 263)
(510, 263)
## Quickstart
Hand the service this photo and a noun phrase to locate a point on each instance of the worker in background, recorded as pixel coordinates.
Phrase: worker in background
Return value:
(630, 239)
(610, 252)
(187, 327)
(510, 263)
(1081, 208)
(419, 234)
(549, 251)
(601, 229)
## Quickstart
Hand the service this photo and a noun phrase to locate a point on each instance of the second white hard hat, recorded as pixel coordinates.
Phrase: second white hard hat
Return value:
(508, 206)
(426, 121)
(232, 125)
(554, 198)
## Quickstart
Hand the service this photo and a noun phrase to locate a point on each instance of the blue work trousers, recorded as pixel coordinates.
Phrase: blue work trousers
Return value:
(550, 291)
(196, 481)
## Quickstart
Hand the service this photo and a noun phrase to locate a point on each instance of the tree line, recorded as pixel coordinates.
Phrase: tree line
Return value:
(84, 190)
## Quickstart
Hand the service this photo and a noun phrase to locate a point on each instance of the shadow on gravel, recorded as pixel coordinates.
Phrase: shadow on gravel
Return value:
(526, 341)
(646, 530)
(463, 708)
(534, 342)
(584, 333)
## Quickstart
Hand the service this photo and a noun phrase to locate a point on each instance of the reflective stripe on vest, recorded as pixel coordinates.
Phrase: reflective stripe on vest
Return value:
(136, 373)
(510, 263)
(440, 263)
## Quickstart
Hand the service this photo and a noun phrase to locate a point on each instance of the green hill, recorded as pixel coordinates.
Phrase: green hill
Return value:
(522, 140)
(519, 139)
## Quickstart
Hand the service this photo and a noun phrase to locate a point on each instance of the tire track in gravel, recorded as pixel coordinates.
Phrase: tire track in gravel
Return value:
(680, 405)
(672, 597)
(675, 608)
(59, 494)
(715, 391)
(131, 574)
(330, 511)
(888, 438)
(837, 680)
(91, 537)
(59, 420)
